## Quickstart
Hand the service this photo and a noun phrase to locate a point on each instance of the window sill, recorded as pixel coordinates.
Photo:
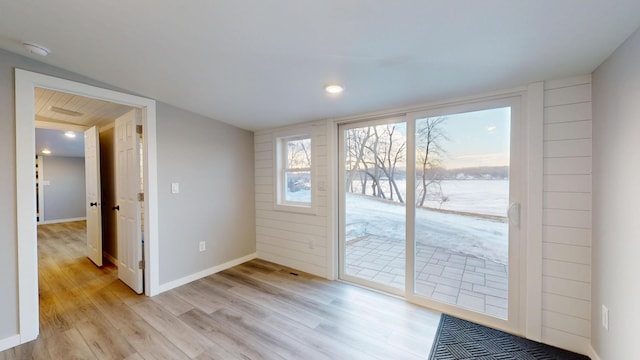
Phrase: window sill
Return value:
(298, 209)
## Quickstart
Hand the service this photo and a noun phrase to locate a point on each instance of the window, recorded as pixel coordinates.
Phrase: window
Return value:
(294, 190)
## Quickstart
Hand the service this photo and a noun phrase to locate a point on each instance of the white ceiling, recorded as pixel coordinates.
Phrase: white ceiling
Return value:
(51, 125)
(259, 64)
(90, 111)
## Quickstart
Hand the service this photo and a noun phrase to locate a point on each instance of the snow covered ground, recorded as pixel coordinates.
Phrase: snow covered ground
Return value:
(488, 197)
(478, 236)
(481, 237)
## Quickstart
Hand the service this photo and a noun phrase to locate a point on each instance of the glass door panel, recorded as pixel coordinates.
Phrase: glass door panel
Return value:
(461, 252)
(373, 211)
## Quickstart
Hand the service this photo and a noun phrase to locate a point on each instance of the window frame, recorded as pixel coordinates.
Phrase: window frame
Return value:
(281, 169)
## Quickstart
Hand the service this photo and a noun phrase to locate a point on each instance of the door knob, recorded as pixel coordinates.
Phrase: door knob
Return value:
(93, 204)
(117, 207)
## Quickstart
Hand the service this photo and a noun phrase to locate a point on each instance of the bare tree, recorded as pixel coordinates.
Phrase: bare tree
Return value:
(356, 144)
(374, 153)
(429, 138)
(298, 153)
(388, 156)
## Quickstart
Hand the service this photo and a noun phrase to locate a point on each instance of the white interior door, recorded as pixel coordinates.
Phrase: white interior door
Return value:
(92, 179)
(128, 185)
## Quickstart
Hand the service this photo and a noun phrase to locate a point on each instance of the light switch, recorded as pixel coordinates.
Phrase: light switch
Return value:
(175, 188)
(46, 182)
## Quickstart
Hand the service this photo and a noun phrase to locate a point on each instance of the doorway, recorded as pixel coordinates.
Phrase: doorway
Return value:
(429, 208)
(25, 85)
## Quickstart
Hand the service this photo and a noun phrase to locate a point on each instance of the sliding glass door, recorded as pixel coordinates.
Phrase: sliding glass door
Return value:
(461, 227)
(429, 208)
(373, 191)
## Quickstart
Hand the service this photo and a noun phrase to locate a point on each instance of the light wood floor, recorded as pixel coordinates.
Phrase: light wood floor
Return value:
(258, 310)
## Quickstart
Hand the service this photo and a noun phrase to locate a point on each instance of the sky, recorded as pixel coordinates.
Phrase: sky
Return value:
(473, 139)
(479, 138)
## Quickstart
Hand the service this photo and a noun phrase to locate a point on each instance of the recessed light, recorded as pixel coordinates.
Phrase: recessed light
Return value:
(46, 151)
(70, 134)
(333, 89)
(36, 49)
(63, 111)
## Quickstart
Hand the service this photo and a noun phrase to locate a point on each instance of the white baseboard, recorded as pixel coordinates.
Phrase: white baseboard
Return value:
(9, 342)
(61, 221)
(204, 273)
(111, 259)
(593, 354)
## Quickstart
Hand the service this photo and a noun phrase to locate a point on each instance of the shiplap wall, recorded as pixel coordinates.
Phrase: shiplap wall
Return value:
(566, 264)
(287, 238)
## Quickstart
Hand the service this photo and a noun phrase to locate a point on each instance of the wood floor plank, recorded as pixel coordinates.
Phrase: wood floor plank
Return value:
(227, 344)
(52, 318)
(105, 341)
(274, 303)
(172, 303)
(134, 356)
(35, 350)
(256, 310)
(194, 294)
(69, 345)
(115, 311)
(150, 343)
(260, 333)
(284, 324)
(182, 336)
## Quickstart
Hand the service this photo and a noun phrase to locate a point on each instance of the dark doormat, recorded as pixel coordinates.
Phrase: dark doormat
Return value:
(460, 339)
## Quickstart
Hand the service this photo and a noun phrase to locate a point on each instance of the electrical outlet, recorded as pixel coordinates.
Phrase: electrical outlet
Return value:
(605, 317)
(203, 246)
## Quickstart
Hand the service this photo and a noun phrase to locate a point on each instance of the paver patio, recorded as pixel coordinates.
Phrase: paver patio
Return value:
(441, 274)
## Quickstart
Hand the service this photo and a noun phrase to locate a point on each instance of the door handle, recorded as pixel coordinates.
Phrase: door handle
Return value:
(514, 214)
(93, 204)
(117, 207)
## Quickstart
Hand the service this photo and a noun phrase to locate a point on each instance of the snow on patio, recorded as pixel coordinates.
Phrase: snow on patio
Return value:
(460, 259)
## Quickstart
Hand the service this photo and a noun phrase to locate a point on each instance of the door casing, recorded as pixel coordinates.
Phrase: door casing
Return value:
(25, 84)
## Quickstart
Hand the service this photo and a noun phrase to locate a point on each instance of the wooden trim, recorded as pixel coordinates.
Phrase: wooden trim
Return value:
(61, 220)
(402, 111)
(533, 211)
(204, 273)
(332, 198)
(110, 258)
(9, 342)
(592, 353)
(28, 307)
(42, 124)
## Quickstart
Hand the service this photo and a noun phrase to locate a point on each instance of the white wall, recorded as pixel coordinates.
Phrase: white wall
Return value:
(285, 237)
(213, 164)
(566, 248)
(64, 196)
(616, 200)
